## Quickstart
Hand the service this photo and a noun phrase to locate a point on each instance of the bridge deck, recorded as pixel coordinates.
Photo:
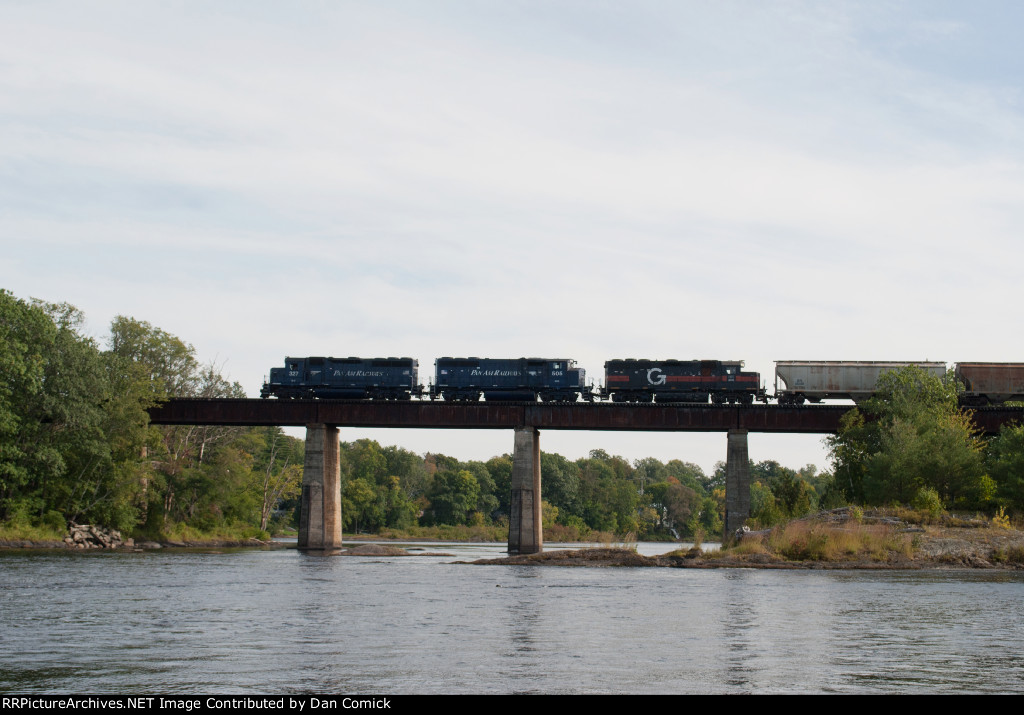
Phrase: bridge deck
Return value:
(812, 419)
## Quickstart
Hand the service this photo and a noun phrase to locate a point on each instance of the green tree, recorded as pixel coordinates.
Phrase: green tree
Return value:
(70, 439)
(500, 469)
(454, 496)
(487, 502)
(277, 471)
(560, 483)
(910, 435)
(360, 507)
(764, 507)
(676, 503)
(160, 360)
(689, 474)
(1005, 463)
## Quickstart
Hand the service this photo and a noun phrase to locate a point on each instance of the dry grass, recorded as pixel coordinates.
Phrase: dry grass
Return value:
(443, 532)
(182, 533)
(816, 541)
(1013, 555)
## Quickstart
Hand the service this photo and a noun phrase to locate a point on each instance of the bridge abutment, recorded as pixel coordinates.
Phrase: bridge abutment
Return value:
(737, 482)
(525, 529)
(320, 518)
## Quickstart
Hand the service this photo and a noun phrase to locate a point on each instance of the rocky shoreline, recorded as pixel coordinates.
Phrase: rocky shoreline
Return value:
(88, 537)
(622, 557)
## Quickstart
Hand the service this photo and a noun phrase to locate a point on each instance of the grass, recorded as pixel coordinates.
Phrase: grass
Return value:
(815, 541)
(24, 532)
(238, 532)
(1008, 555)
(556, 533)
(446, 532)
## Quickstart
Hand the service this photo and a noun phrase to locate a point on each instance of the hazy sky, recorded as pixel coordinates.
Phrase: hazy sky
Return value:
(737, 180)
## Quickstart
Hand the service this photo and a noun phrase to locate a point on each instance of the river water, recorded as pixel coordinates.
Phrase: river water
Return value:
(271, 622)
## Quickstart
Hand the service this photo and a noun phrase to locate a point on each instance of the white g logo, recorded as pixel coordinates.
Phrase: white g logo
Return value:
(658, 379)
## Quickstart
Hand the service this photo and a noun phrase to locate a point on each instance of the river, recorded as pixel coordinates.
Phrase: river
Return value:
(269, 622)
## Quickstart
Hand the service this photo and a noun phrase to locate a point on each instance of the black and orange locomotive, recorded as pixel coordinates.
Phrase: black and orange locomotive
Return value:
(721, 381)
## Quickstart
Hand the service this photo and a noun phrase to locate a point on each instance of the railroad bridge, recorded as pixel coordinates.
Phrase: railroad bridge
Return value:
(320, 520)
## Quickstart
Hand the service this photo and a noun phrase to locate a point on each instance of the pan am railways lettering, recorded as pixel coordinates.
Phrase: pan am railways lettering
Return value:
(495, 373)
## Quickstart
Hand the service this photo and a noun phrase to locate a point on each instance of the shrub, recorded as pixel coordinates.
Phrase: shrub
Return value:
(1010, 555)
(1001, 520)
(928, 502)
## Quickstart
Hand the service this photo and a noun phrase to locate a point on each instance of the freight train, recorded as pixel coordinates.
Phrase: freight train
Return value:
(626, 380)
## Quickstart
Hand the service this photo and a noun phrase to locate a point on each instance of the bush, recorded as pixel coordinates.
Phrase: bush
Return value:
(1010, 555)
(928, 502)
(54, 521)
(1001, 520)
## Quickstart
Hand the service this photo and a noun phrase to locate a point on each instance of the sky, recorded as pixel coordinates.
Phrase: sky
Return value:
(586, 180)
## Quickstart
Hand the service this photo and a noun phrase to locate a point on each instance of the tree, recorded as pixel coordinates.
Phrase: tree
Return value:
(279, 471)
(560, 483)
(908, 436)
(359, 506)
(688, 474)
(155, 357)
(25, 333)
(500, 469)
(1006, 465)
(793, 496)
(73, 425)
(454, 496)
(676, 502)
(487, 502)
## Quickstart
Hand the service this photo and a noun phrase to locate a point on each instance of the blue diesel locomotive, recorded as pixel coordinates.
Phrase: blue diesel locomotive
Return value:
(349, 378)
(455, 379)
(550, 380)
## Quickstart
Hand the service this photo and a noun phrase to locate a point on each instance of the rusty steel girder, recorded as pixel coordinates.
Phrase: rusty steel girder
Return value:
(812, 419)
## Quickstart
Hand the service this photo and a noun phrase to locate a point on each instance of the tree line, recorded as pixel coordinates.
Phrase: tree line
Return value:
(76, 446)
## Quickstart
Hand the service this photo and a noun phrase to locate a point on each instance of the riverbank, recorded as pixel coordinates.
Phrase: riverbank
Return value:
(145, 545)
(88, 537)
(840, 539)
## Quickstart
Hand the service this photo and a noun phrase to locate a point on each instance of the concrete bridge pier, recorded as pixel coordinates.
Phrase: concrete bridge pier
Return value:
(320, 518)
(737, 482)
(525, 529)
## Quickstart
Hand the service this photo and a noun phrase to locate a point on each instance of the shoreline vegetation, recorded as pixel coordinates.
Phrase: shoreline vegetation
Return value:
(844, 538)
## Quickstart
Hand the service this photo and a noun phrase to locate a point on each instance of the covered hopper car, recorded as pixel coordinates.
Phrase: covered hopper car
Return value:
(990, 382)
(349, 378)
(817, 380)
(721, 381)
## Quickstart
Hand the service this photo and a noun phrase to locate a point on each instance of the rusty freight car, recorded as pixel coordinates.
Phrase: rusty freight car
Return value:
(991, 383)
